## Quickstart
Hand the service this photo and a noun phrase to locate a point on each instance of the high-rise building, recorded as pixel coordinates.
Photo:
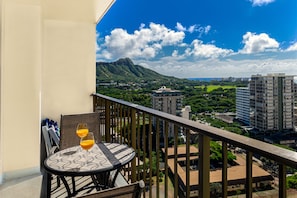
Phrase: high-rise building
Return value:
(169, 101)
(243, 104)
(272, 102)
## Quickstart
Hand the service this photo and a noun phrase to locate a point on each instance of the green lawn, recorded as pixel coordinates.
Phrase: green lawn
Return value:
(213, 87)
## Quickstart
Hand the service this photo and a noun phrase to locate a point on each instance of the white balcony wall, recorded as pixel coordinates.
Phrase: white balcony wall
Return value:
(47, 61)
(67, 78)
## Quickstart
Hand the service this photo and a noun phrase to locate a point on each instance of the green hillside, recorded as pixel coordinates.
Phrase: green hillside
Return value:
(124, 70)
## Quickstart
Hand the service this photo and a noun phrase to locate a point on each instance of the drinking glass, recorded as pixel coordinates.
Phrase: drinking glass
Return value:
(87, 143)
(82, 130)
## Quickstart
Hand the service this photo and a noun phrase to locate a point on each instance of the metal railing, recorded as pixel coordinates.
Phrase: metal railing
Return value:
(167, 167)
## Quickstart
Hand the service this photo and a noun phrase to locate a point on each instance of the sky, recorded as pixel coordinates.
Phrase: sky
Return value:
(202, 38)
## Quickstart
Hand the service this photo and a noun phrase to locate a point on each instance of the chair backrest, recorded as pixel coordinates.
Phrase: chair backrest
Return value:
(68, 124)
(51, 140)
(133, 190)
(54, 136)
(48, 145)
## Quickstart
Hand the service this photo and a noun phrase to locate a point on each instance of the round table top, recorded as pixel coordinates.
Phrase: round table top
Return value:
(102, 157)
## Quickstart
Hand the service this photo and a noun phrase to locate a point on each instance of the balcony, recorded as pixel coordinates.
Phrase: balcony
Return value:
(184, 168)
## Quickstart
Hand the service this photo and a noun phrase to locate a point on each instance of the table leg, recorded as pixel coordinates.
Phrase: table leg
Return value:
(66, 186)
(46, 185)
(114, 177)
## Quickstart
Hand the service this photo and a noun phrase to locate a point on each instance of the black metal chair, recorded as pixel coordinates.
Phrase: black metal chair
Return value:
(68, 124)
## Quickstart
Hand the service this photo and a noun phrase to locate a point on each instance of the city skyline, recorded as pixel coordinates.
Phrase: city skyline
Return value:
(202, 39)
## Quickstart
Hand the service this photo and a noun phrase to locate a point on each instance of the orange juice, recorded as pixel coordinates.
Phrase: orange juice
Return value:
(87, 144)
(82, 132)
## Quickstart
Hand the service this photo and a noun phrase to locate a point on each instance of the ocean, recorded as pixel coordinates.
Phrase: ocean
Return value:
(206, 79)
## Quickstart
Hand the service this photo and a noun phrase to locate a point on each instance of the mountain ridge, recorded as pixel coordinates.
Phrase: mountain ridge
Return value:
(124, 70)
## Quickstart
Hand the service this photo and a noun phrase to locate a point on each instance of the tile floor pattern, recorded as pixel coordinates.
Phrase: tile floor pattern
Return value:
(28, 187)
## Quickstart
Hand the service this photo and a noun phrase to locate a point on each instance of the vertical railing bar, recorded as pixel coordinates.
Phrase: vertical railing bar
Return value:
(133, 143)
(112, 104)
(166, 158)
(107, 120)
(103, 117)
(116, 115)
(224, 170)
(138, 144)
(128, 131)
(125, 124)
(115, 119)
(188, 163)
(150, 155)
(282, 172)
(204, 165)
(249, 175)
(125, 129)
(118, 123)
(158, 156)
(121, 124)
(144, 149)
(176, 188)
(129, 134)
(94, 102)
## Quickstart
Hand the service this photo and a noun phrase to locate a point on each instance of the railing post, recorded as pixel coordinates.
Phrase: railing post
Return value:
(133, 142)
(249, 175)
(224, 170)
(204, 166)
(166, 158)
(282, 188)
(107, 120)
(176, 187)
(188, 187)
(158, 155)
(94, 102)
(150, 155)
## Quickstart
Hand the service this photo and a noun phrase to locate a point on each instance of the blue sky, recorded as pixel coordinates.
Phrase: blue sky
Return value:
(202, 38)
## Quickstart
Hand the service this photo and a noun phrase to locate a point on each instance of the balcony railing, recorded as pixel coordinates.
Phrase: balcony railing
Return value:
(171, 169)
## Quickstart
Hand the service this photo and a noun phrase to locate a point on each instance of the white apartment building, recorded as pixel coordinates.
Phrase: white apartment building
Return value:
(272, 102)
(169, 101)
(243, 104)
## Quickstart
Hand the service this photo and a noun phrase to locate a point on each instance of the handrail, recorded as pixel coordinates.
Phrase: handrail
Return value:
(281, 155)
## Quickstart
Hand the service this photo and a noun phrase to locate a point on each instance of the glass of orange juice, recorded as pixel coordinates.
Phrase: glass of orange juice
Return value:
(87, 143)
(82, 130)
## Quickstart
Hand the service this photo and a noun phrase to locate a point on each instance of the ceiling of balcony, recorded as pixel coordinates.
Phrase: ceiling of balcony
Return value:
(76, 10)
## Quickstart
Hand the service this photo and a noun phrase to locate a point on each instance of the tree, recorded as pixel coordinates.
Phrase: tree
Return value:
(292, 181)
(216, 153)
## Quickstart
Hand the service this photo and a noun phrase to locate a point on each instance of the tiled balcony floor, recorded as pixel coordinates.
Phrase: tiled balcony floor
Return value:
(27, 187)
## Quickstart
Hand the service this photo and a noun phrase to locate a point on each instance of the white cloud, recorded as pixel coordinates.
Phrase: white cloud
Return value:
(206, 50)
(193, 28)
(254, 43)
(142, 43)
(174, 53)
(183, 68)
(207, 29)
(260, 54)
(180, 27)
(261, 2)
(292, 47)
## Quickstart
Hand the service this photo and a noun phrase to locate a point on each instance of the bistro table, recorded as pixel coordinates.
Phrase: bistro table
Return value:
(98, 163)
